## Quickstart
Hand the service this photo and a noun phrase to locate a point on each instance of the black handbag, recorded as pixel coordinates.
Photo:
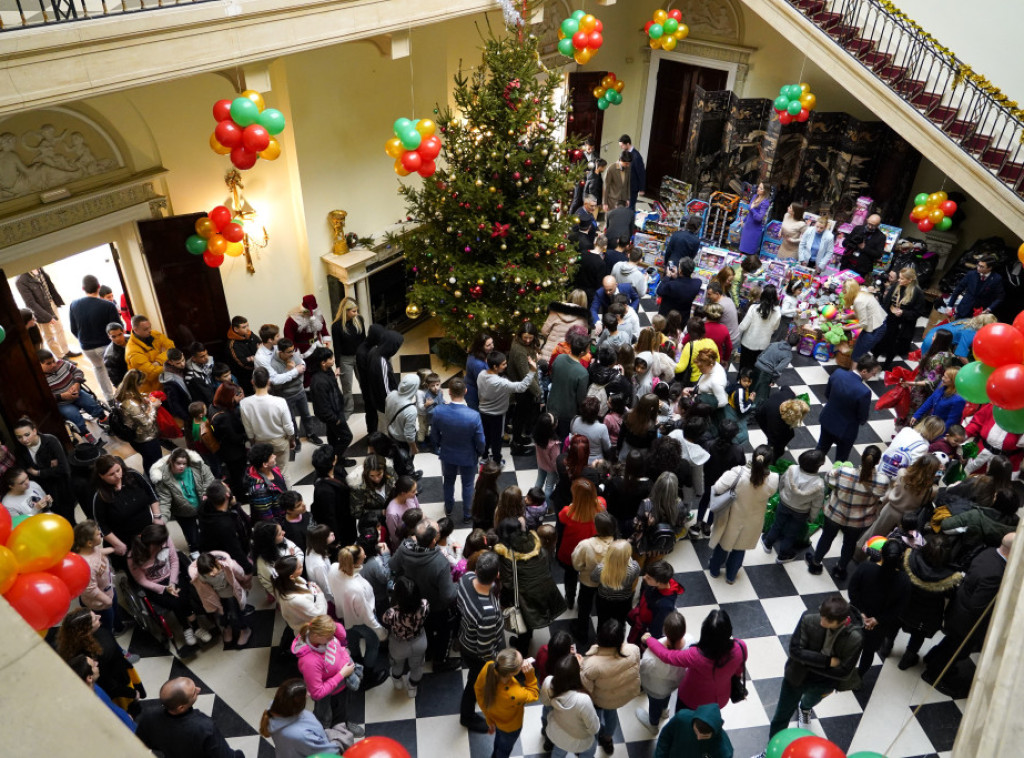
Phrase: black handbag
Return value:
(738, 685)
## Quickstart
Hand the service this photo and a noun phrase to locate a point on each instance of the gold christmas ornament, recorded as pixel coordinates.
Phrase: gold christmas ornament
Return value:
(413, 311)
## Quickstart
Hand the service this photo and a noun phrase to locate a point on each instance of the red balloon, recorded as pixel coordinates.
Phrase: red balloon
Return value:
(233, 232)
(579, 40)
(41, 598)
(785, 118)
(228, 133)
(220, 216)
(925, 225)
(803, 115)
(595, 40)
(948, 207)
(1006, 387)
(213, 261)
(429, 148)
(411, 160)
(427, 168)
(74, 571)
(377, 747)
(242, 158)
(998, 345)
(598, 25)
(647, 26)
(676, 14)
(1018, 324)
(222, 110)
(812, 747)
(255, 138)
(6, 525)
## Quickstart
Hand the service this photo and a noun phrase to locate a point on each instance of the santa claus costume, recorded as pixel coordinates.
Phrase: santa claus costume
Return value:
(306, 326)
(993, 440)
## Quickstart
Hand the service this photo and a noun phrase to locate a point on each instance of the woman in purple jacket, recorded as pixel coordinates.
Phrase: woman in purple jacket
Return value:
(753, 224)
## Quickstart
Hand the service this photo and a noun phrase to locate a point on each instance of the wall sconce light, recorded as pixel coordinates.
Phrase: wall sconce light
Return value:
(255, 232)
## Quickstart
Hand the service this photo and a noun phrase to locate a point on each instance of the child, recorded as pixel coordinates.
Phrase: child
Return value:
(319, 539)
(450, 550)
(801, 496)
(664, 394)
(403, 499)
(788, 307)
(613, 419)
(222, 375)
(428, 397)
(221, 585)
(536, 507)
(546, 446)
(476, 544)
(693, 452)
(908, 531)
(660, 679)
(199, 437)
(610, 334)
(404, 621)
(503, 698)
(295, 520)
(770, 364)
(99, 595)
(742, 396)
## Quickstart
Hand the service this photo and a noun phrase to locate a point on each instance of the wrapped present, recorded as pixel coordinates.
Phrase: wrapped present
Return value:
(897, 398)
(899, 375)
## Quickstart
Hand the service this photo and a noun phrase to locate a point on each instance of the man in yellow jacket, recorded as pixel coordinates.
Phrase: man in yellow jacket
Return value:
(147, 352)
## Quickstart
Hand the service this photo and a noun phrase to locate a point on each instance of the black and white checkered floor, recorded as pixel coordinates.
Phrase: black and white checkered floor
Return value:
(764, 604)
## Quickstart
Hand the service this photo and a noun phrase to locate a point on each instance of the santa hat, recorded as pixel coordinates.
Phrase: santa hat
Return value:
(309, 302)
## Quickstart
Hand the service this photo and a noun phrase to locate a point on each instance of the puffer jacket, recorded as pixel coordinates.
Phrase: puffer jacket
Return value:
(929, 590)
(237, 580)
(168, 487)
(148, 358)
(518, 367)
(561, 316)
(802, 492)
(322, 669)
(573, 721)
(363, 500)
(981, 526)
(539, 598)
(611, 676)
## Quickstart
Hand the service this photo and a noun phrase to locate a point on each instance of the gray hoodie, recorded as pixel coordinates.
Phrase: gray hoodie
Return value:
(299, 736)
(573, 721)
(429, 569)
(631, 273)
(802, 492)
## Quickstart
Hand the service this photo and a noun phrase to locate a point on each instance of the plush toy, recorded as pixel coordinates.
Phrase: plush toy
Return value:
(834, 334)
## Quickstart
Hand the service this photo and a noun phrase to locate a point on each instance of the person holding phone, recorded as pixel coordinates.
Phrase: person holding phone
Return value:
(24, 497)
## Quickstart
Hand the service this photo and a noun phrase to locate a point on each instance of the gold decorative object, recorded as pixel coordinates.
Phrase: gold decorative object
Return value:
(337, 222)
(411, 310)
(255, 232)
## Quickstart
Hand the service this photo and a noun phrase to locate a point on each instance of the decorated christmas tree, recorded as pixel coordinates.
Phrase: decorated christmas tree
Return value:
(491, 250)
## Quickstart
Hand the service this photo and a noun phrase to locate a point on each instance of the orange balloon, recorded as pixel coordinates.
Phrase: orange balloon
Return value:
(205, 228)
(272, 151)
(808, 100)
(216, 245)
(583, 56)
(234, 249)
(608, 81)
(8, 569)
(216, 146)
(588, 23)
(393, 147)
(668, 42)
(561, 34)
(655, 43)
(40, 541)
(400, 169)
(256, 97)
(619, 85)
(660, 16)
(426, 127)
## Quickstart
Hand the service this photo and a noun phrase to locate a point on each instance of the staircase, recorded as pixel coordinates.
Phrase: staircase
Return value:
(921, 89)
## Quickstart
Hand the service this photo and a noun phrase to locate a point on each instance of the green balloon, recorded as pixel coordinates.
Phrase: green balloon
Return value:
(411, 138)
(15, 520)
(565, 47)
(570, 26)
(577, 15)
(794, 108)
(782, 740)
(971, 380)
(921, 199)
(272, 120)
(614, 97)
(401, 125)
(1010, 421)
(795, 92)
(244, 111)
(781, 103)
(670, 26)
(602, 104)
(195, 245)
(3, 334)
(656, 31)
(945, 224)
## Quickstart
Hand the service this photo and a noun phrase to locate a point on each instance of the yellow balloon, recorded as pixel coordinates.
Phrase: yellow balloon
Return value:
(426, 127)
(935, 199)
(216, 146)
(660, 16)
(619, 85)
(588, 23)
(561, 34)
(808, 100)
(682, 32)
(668, 42)
(40, 541)
(583, 56)
(655, 43)
(393, 147)
(234, 249)
(8, 569)
(256, 97)
(608, 81)
(272, 151)
(400, 169)
(804, 87)
(205, 228)
(941, 197)
(599, 92)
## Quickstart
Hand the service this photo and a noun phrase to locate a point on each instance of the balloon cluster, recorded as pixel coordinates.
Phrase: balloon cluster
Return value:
(933, 211)
(997, 376)
(246, 129)
(609, 92)
(665, 29)
(38, 574)
(414, 147)
(803, 743)
(580, 36)
(794, 103)
(217, 235)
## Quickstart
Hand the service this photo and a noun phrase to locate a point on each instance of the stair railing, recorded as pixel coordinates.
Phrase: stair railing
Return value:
(34, 13)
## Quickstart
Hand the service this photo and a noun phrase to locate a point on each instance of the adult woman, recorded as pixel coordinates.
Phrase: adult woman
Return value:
(856, 499)
(610, 671)
(793, 226)
(586, 556)
(910, 443)
(937, 357)
(524, 411)
(726, 278)
(710, 664)
(511, 505)
(525, 569)
(485, 495)
(718, 332)
(878, 589)
(573, 721)
(139, 411)
(180, 480)
(616, 577)
(264, 483)
(80, 632)
(153, 563)
(43, 457)
(354, 600)
(758, 326)
(295, 732)
(226, 421)
(962, 331)
(124, 503)
(221, 585)
(576, 523)
(678, 289)
(588, 423)
(371, 489)
(476, 361)
(503, 699)
(653, 533)
(710, 387)
(570, 466)
(300, 601)
(325, 664)
(268, 546)
(626, 490)
(944, 402)
(224, 526)
(725, 454)
(913, 488)
(348, 333)
(932, 582)
(753, 224)
(694, 342)
(870, 319)
(779, 418)
(640, 426)
(737, 526)
(904, 303)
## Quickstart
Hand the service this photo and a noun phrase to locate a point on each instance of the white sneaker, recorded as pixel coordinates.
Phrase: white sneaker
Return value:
(190, 637)
(398, 682)
(203, 635)
(644, 718)
(764, 546)
(803, 718)
(410, 688)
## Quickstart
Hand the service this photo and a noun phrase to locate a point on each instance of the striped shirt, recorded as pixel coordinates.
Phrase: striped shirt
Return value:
(64, 374)
(482, 630)
(625, 592)
(853, 502)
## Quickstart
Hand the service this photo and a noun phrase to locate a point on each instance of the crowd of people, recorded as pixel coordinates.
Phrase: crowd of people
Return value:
(639, 436)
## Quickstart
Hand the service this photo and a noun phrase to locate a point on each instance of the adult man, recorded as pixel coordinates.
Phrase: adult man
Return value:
(569, 382)
(267, 419)
(696, 732)
(617, 253)
(332, 504)
(457, 434)
(495, 392)
(590, 273)
(65, 380)
(847, 405)
(730, 318)
(823, 655)
(683, 244)
(285, 361)
(616, 183)
(382, 379)
(863, 246)
(178, 730)
(242, 347)
(982, 290)
(402, 414)
(42, 298)
(43, 457)
(637, 171)
(420, 559)
(88, 671)
(147, 352)
(172, 383)
(306, 326)
(678, 289)
(619, 222)
(604, 296)
(632, 271)
(89, 318)
(269, 337)
(114, 353)
(199, 373)
(594, 184)
(328, 404)
(816, 244)
(588, 218)
(481, 632)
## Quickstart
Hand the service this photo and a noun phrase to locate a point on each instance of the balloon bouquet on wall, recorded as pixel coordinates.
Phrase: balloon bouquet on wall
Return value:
(217, 235)
(666, 29)
(580, 36)
(997, 376)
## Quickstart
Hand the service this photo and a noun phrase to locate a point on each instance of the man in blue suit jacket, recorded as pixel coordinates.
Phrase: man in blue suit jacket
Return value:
(457, 434)
(980, 289)
(847, 405)
(604, 297)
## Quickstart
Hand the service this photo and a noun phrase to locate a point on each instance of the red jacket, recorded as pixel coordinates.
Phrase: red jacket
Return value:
(574, 533)
(993, 437)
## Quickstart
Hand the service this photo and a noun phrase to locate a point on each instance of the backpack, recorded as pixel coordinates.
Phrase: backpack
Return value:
(119, 424)
(207, 437)
(661, 538)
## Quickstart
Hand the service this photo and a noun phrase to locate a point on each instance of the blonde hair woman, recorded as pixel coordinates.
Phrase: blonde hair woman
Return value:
(348, 332)
(870, 319)
(139, 413)
(324, 663)
(904, 303)
(354, 602)
(616, 577)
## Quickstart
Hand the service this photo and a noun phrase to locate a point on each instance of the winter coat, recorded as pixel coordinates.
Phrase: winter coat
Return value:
(573, 721)
(539, 598)
(995, 438)
(237, 580)
(808, 664)
(373, 335)
(429, 569)
(519, 368)
(706, 680)
(929, 590)
(506, 712)
(981, 526)
(168, 487)
(230, 433)
(678, 295)
(802, 492)
(612, 676)
(149, 359)
(587, 554)
(654, 606)
(328, 403)
(322, 670)
(241, 349)
(561, 316)
(332, 506)
(878, 594)
(141, 417)
(299, 736)
(738, 526)
(573, 532)
(227, 531)
(37, 292)
(949, 408)
(678, 737)
(381, 375)
(853, 502)
(302, 607)
(354, 600)
(980, 585)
